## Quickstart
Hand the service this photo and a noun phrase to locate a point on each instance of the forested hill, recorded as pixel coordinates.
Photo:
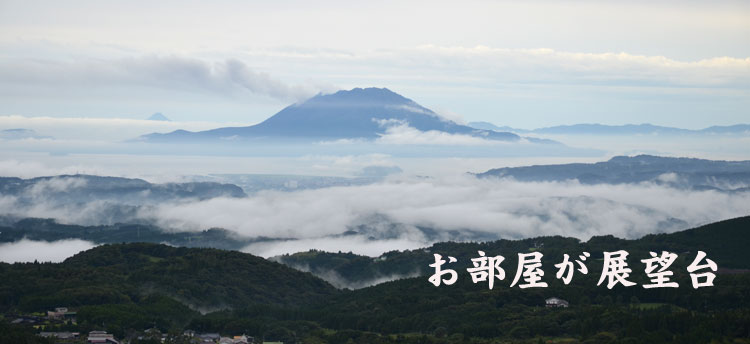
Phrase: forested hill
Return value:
(122, 274)
(124, 288)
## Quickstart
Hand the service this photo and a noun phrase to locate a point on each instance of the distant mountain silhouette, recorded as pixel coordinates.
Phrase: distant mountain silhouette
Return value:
(677, 172)
(358, 113)
(627, 129)
(490, 126)
(20, 134)
(158, 117)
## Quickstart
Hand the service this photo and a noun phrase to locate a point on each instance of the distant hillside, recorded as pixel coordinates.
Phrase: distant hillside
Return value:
(490, 126)
(627, 129)
(49, 230)
(74, 188)
(357, 113)
(724, 241)
(678, 172)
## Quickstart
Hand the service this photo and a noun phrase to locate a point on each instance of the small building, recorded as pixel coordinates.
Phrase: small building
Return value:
(554, 302)
(101, 337)
(58, 313)
(209, 337)
(62, 313)
(60, 335)
(26, 319)
(243, 339)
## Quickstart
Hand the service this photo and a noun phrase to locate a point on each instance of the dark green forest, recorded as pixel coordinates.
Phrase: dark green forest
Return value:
(123, 288)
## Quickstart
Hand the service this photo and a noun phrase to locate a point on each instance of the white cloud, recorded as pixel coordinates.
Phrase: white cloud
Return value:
(669, 177)
(151, 71)
(403, 134)
(28, 250)
(58, 184)
(391, 214)
(334, 278)
(467, 206)
(481, 64)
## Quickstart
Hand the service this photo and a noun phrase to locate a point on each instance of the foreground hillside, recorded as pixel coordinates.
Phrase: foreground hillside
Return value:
(125, 288)
(142, 283)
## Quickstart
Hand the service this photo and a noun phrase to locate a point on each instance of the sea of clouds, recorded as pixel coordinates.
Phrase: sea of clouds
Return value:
(408, 212)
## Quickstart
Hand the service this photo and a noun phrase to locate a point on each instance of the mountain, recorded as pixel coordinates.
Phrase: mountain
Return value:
(158, 117)
(677, 172)
(355, 114)
(627, 129)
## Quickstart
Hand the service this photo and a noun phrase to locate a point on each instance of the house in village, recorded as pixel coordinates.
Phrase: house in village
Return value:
(243, 339)
(236, 340)
(58, 313)
(209, 337)
(554, 302)
(101, 337)
(61, 336)
(61, 313)
(27, 319)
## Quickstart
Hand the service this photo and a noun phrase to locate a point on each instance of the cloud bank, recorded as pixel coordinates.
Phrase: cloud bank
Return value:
(401, 133)
(503, 207)
(42, 251)
(404, 212)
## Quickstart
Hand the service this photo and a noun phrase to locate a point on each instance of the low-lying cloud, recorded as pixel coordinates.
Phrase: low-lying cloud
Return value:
(404, 134)
(394, 214)
(338, 281)
(42, 251)
(411, 212)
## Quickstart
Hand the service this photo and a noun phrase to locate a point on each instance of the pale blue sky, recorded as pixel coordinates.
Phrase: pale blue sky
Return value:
(528, 64)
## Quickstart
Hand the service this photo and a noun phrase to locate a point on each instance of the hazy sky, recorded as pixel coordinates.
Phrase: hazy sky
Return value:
(524, 64)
